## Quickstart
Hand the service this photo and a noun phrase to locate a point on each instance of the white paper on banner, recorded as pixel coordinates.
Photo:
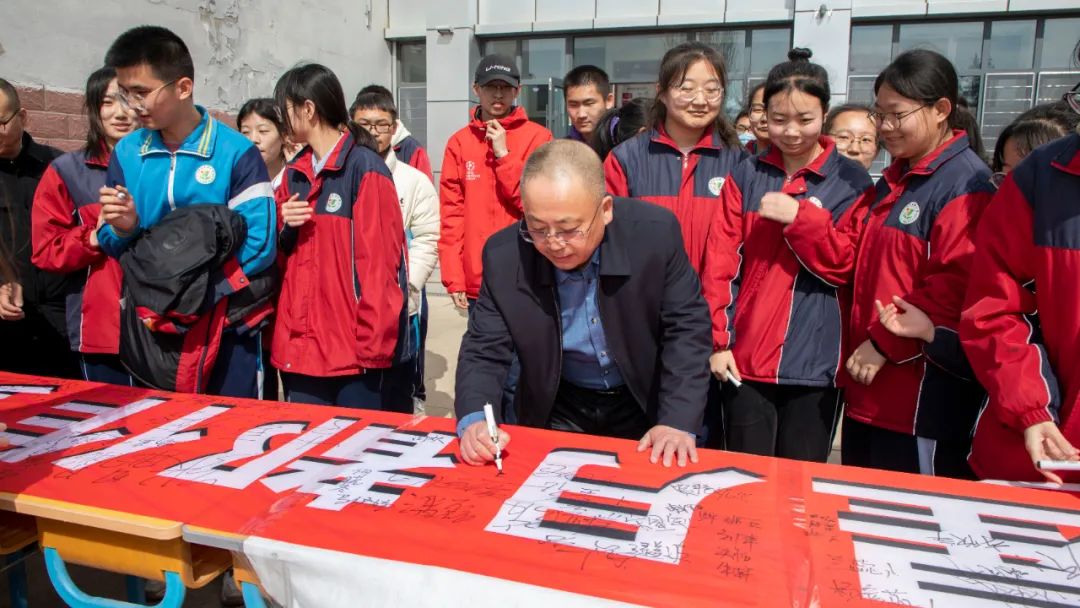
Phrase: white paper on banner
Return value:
(917, 548)
(296, 576)
(554, 503)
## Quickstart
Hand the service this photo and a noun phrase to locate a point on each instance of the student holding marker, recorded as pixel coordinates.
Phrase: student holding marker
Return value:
(781, 254)
(1026, 261)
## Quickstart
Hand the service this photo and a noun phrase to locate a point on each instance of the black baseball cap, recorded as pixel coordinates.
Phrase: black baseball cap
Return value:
(497, 67)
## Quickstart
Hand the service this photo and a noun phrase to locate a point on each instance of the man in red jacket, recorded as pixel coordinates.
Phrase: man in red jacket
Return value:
(479, 192)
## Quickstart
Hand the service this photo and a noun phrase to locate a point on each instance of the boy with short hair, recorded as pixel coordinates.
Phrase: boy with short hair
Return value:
(374, 110)
(588, 95)
(407, 148)
(183, 157)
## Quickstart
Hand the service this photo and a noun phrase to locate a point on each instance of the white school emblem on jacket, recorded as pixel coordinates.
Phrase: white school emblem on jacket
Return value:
(909, 213)
(333, 202)
(205, 175)
(715, 184)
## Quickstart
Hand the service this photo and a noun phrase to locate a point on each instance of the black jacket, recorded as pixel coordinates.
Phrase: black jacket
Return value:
(182, 286)
(18, 181)
(655, 320)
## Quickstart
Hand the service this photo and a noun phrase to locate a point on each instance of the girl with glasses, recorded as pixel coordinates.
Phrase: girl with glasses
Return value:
(910, 406)
(855, 134)
(781, 254)
(65, 219)
(681, 162)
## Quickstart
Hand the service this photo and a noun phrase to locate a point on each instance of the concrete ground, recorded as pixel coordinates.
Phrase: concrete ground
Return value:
(446, 326)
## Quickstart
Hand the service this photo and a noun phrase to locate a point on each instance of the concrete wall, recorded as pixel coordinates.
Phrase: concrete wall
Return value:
(240, 47)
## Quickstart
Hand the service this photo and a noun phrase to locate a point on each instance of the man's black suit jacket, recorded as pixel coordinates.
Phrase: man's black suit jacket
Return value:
(655, 320)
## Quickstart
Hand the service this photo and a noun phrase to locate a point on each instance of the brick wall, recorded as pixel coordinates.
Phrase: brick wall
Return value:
(57, 117)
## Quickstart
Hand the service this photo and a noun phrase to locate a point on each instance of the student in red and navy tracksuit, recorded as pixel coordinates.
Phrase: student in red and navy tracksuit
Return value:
(682, 161)
(781, 254)
(343, 314)
(1027, 260)
(65, 218)
(907, 408)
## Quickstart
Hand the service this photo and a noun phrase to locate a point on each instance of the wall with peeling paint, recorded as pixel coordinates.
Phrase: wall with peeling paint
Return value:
(240, 47)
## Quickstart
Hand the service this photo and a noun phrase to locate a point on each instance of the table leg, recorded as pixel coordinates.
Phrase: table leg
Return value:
(17, 578)
(252, 597)
(76, 598)
(136, 589)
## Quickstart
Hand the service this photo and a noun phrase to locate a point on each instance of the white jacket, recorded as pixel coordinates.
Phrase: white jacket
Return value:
(420, 214)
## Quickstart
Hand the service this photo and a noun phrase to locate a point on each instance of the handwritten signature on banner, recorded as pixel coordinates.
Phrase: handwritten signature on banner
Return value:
(783, 533)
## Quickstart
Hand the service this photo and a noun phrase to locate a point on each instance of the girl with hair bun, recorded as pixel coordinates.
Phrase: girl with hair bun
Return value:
(779, 260)
(911, 402)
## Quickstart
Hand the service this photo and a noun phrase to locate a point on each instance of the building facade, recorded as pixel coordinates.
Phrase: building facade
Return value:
(1010, 54)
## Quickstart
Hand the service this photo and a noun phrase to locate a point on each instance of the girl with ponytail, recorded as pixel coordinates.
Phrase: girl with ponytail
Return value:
(912, 402)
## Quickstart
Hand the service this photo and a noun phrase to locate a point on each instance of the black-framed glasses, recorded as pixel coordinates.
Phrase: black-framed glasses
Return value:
(4, 123)
(135, 101)
(1073, 98)
(376, 127)
(563, 237)
(890, 119)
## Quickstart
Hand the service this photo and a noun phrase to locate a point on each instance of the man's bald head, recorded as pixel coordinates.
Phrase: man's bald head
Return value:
(9, 98)
(563, 195)
(565, 160)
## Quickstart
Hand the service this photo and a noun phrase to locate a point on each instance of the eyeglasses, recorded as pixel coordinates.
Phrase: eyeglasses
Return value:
(846, 139)
(890, 119)
(743, 128)
(689, 94)
(757, 109)
(997, 178)
(135, 101)
(563, 237)
(376, 127)
(4, 123)
(1073, 98)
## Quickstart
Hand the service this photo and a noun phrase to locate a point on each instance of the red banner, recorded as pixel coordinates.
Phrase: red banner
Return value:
(576, 513)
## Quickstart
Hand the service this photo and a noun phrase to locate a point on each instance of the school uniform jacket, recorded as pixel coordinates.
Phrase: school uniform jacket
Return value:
(480, 194)
(650, 167)
(64, 214)
(214, 165)
(917, 244)
(1029, 236)
(342, 307)
(782, 290)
